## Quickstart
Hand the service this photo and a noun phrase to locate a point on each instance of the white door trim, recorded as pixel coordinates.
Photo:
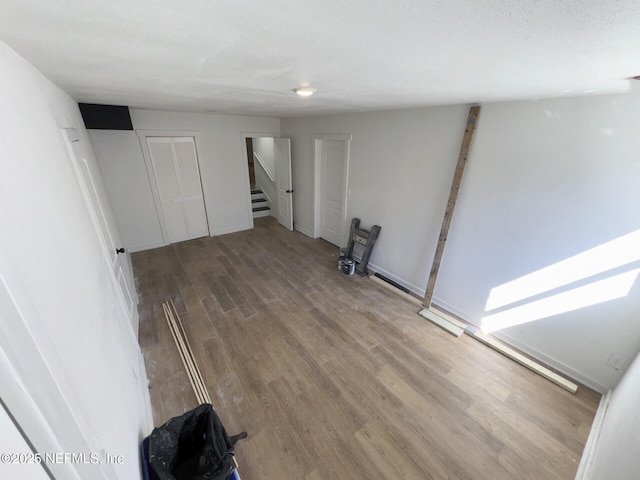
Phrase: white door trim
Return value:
(317, 181)
(593, 440)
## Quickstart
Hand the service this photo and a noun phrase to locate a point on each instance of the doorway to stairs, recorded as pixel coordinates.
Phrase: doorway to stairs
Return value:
(269, 172)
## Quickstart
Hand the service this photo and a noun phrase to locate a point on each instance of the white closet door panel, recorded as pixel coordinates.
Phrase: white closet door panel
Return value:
(175, 166)
(187, 164)
(175, 221)
(196, 218)
(164, 168)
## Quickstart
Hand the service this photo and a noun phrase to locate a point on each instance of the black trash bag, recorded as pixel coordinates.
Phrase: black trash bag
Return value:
(193, 446)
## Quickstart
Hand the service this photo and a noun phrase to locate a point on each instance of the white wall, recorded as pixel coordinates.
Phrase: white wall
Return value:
(616, 442)
(264, 147)
(69, 360)
(548, 180)
(400, 163)
(545, 180)
(125, 175)
(223, 167)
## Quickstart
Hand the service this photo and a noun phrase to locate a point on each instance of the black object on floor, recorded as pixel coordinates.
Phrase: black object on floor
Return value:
(193, 446)
(391, 282)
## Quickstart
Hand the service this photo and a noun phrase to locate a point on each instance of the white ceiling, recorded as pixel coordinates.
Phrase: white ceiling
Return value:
(246, 56)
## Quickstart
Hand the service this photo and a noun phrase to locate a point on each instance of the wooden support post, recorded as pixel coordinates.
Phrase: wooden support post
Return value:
(451, 203)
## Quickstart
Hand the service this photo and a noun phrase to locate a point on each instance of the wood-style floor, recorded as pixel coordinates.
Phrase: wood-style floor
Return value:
(333, 377)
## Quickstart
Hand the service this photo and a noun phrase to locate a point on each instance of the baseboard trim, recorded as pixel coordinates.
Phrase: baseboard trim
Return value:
(591, 447)
(545, 359)
(412, 288)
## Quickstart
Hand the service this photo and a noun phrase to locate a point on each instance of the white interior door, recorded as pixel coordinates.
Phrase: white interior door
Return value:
(333, 161)
(175, 167)
(115, 253)
(282, 154)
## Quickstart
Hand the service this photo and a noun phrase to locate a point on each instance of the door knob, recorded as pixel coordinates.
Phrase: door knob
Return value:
(119, 250)
(289, 191)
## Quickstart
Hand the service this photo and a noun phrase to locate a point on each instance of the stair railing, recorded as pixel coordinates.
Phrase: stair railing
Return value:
(256, 157)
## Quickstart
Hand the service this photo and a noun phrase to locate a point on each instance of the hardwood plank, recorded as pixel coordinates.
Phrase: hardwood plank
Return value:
(385, 454)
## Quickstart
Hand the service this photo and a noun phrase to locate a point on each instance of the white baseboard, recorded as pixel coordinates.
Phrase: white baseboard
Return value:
(412, 288)
(467, 317)
(591, 447)
(552, 362)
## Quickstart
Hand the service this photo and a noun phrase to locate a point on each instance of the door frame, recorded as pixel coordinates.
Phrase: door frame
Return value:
(317, 182)
(142, 138)
(245, 168)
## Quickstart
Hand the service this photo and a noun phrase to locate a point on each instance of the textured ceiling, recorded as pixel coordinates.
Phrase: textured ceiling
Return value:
(246, 56)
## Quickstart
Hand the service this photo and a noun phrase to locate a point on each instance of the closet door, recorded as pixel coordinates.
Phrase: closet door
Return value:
(175, 167)
(189, 176)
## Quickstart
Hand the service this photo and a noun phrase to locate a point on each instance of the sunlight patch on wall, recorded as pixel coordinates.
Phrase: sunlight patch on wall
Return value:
(607, 256)
(617, 286)
(522, 296)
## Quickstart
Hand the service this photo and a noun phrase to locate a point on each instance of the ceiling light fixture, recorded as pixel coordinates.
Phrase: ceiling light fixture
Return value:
(305, 91)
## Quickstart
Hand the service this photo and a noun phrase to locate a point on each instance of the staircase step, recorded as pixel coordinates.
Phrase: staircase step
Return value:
(262, 212)
(259, 204)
